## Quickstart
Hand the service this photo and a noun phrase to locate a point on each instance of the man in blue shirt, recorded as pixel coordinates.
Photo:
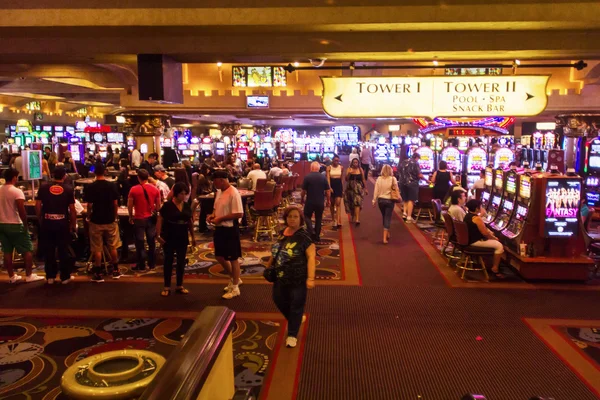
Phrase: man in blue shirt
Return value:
(315, 193)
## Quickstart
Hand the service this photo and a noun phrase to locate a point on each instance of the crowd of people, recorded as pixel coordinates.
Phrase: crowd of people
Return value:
(160, 209)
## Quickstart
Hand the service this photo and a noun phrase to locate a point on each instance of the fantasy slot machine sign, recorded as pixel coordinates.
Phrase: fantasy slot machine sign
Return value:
(562, 207)
(503, 157)
(452, 156)
(426, 162)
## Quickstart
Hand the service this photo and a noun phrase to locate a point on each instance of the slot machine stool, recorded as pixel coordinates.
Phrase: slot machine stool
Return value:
(469, 253)
(449, 223)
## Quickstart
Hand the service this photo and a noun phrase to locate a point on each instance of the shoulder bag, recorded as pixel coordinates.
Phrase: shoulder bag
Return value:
(395, 193)
(270, 274)
(153, 216)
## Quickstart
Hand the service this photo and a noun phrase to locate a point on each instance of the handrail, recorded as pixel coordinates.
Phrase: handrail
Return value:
(186, 370)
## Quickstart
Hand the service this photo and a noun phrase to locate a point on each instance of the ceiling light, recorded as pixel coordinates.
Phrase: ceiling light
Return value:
(219, 64)
(296, 64)
(518, 62)
(435, 63)
(206, 115)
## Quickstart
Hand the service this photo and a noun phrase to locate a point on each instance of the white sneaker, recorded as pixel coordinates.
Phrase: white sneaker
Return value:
(66, 281)
(230, 285)
(410, 221)
(50, 281)
(291, 342)
(33, 278)
(234, 292)
(15, 278)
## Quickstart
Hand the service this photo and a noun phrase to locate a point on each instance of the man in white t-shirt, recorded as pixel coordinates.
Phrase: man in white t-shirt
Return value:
(13, 228)
(18, 165)
(457, 209)
(228, 210)
(275, 170)
(255, 175)
(479, 183)
(136, 158)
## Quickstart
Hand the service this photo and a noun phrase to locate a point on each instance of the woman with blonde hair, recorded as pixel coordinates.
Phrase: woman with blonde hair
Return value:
(69, 162)
(386, 183)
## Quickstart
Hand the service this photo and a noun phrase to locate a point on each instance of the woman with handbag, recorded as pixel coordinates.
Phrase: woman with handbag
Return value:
(291, 269)
(387, 194)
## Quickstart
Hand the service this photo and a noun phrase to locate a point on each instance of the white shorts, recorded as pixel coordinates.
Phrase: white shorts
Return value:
(491, 244)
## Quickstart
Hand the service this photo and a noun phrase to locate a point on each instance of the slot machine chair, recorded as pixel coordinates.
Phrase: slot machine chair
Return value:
(469, 253)
(592, 242)
(262, 210)
(439, 225)
(449, 224)
(423, 203)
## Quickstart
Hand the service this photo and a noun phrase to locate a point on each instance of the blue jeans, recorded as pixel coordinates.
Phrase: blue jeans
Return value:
(290, 300)
(148, 228)
(386, 206)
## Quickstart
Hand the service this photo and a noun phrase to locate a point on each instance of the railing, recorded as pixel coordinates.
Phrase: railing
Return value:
(187, 372)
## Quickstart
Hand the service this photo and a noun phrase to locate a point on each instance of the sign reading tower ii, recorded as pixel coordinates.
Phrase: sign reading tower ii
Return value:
(435, 96)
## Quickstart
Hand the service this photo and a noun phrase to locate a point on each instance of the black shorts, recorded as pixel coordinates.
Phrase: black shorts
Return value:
(227, 243)
(410, 192)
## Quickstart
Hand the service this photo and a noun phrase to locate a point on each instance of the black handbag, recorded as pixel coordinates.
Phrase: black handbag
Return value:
(270, 274)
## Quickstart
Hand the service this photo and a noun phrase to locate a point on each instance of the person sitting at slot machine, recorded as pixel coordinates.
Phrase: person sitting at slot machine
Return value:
(457, 207)
(479, 183)
(481, 236)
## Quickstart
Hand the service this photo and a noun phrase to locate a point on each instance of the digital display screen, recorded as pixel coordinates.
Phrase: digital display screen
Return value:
(511, 183)
(47, 129)
(496, 201)
(114, 137)
(521, 212)
(508, 205)
(562, 205)
(594, 162)
(257, 101)
(195, 147)
(188, 152)
(426, 161)
(592, 199)
(452, 156)
(489, 177)
(592, 181)
(499, 179)
(485, 196)
(464, 132)
(70, 129)
(525, 187)
(182, 146)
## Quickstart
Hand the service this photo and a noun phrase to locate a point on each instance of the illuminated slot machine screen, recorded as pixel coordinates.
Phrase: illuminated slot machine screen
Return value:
(511, 183)
(525, 187)
(489, 177)
(499, 180)
(562, 207)
(188, 153)
(476, 160)
(593, 159)
(504, 156)
(452, 156)
(485, 198)
(426, 161)
(592, 191)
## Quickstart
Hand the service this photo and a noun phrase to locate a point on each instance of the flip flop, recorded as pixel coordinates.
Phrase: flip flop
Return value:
(165, 292)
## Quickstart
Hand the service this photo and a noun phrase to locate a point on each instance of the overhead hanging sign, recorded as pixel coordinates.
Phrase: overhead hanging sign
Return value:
(434, 96)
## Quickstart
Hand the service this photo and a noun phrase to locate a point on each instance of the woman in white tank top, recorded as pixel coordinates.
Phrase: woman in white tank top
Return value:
(384, 185)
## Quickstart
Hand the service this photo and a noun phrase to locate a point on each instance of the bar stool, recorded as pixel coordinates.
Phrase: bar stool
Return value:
(261, 185)
(449, 224)
(263, 207)
(440, 226)
(277, 206)
(469, 253)
(424, 202)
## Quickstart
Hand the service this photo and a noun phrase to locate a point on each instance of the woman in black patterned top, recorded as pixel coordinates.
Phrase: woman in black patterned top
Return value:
(293, 256)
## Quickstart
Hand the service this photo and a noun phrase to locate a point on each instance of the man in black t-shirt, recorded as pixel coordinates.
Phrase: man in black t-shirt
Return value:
(102, 198)
(161, 174)
(315, 189)
(55, 208)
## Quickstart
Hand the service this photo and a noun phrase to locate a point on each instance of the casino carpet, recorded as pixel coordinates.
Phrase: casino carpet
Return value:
(405, 332)
(35, 351)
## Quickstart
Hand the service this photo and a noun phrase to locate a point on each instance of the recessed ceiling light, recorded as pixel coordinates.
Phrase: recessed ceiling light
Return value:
(435, 63)
(518, 62)
(219, 64)
(296, 64)
(324, 42)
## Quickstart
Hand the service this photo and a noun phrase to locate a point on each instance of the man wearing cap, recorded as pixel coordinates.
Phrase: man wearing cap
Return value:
(228, 211)
(161, 174)
(145, 200)
(55, 208)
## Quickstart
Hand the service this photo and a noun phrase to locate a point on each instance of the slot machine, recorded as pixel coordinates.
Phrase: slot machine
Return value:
(452, 157)
(476, 161)
(76, 148)
(512, 235)
(503, 157)
(299, 149)
(195, 146)
(241, 148)
(381, 153)
(591, 171)
(489, 187)
(130, 142)
(508, 202)
(426, 163)
(496, 197)
(220, 151)
(314, 151)
(206, 146)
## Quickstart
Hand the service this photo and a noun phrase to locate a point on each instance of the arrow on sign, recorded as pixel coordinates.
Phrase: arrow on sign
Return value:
(529, 96)
(338, 98)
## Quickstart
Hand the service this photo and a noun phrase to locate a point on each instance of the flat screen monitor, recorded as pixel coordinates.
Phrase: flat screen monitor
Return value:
(114, 137)
(562, 205)
(257, 101)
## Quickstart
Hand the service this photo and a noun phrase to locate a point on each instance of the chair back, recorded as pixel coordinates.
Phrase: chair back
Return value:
(295, 182)
(449, 223)
(277, 195)
(436, 204)
(584, 224)
(285, 182)
(261, 185)
(263, 200)
(270, 186)
(425, 195)
(244, 183)
(462, 232)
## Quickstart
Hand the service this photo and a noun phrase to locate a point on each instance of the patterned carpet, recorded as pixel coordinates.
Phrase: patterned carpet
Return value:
(35, 351)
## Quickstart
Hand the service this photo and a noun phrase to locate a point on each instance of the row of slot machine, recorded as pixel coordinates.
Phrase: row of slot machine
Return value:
(465, 164)
(536, 209)
(312, 149)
